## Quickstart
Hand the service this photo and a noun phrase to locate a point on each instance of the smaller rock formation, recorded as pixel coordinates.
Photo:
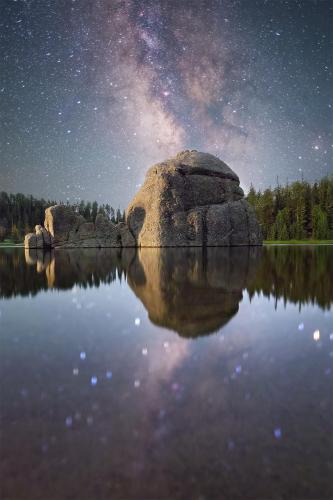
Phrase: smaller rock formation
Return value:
(41, 238)
(65, 228)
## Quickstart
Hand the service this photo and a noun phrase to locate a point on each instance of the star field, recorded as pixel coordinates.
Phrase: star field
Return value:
(93, 92)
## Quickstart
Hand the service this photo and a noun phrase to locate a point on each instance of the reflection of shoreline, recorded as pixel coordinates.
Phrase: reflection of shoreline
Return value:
(192, 291)
(300, 275)
(82, 267)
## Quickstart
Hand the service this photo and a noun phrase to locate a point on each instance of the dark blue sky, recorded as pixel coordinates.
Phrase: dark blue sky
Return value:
(93, 92)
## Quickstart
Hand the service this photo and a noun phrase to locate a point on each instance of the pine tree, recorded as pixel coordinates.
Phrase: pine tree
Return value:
(282, 225)
(2, 233)
(118, 216)
(15, 234)
(94, 210)
(319, 224)
(252, 196)
(299, 200)
(87, 212)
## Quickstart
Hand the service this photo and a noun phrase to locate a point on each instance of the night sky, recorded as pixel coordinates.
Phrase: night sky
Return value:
(94, 92)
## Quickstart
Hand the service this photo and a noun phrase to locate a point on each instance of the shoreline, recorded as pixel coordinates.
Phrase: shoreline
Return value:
(265, 243)
(297, 242)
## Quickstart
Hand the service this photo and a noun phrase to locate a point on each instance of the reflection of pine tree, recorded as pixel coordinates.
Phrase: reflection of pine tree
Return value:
(297, 274)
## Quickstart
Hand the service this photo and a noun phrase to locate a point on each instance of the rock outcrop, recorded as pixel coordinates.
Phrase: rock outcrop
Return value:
(193, 199)
(65, 228)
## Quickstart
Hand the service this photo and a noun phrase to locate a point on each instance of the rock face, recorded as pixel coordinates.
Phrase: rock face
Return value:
(193, 199)
(65, 228)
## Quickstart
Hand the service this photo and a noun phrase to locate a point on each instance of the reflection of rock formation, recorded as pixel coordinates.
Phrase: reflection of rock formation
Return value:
(192, 291)
(86, 267)
(44, 261)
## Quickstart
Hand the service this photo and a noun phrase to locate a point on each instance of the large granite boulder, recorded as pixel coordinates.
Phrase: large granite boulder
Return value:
(193, 199)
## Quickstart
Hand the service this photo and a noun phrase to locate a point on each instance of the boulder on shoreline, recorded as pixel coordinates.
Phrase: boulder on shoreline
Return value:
(193, 199)
(65, 228)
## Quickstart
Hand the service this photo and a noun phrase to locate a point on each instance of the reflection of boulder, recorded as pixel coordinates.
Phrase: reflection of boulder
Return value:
(38, 257)
(44, 261)
(191, 200)
(85, 267)
(192, 291)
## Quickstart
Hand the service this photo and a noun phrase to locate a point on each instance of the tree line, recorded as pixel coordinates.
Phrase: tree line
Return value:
(296, 211)
(19, 214)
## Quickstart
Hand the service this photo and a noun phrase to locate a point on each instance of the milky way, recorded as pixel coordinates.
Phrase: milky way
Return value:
(94, 92)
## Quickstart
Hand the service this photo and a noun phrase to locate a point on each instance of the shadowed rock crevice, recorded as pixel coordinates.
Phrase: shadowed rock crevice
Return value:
(191, 200)
(186, 170)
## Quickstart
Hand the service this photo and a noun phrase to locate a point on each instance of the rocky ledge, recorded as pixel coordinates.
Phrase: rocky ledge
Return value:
(193, 199)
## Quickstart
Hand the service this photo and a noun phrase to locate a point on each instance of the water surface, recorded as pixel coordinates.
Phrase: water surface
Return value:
(166, 374)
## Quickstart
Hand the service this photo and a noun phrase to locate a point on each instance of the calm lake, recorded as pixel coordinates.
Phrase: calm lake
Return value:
(166, 374)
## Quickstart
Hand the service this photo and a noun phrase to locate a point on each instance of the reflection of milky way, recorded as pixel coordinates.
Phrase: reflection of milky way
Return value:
(94, 92)
(91, 386)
